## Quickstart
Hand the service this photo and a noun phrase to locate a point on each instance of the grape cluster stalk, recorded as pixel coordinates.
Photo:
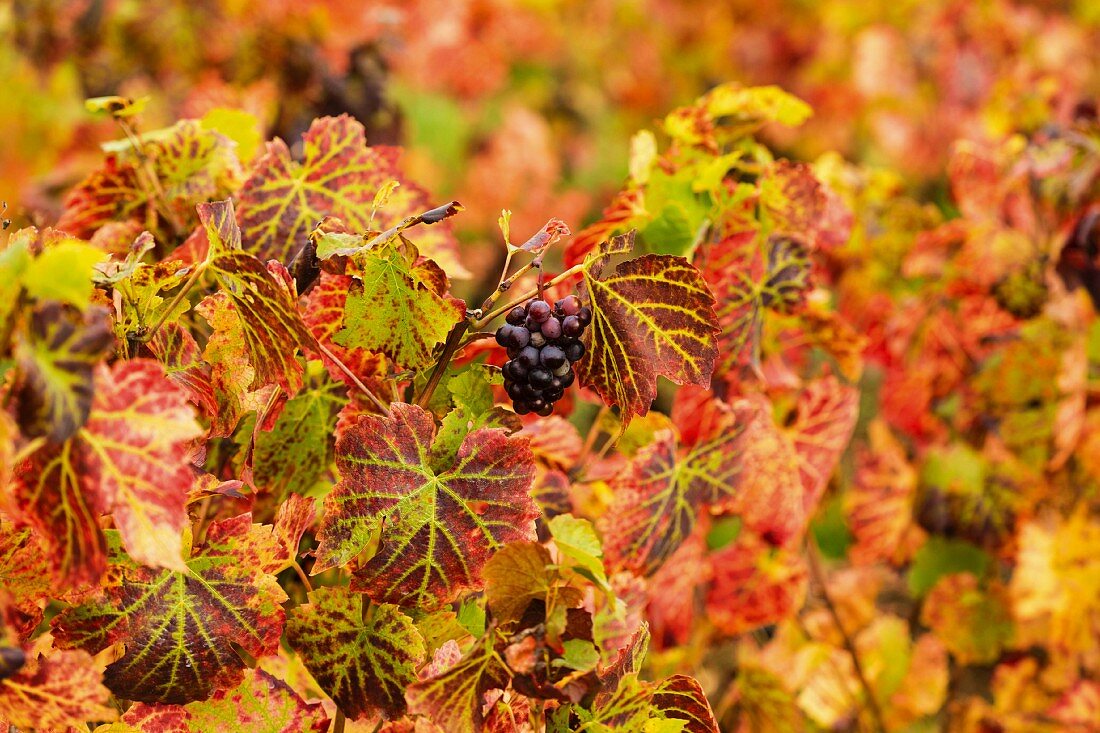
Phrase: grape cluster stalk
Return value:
(543, 343)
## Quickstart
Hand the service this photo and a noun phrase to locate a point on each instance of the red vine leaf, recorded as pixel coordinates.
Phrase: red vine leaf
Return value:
(261, 703)
(363, 662)
(339, 175)
(180, 628)
(824, 419)
(748, 277)
(264, 299)
(658, 501)
(653, 316)
(55, 692)
(191, 165)
(681, 698)
(130, 460)
(438, 526)
(754, 584)
(453, 699)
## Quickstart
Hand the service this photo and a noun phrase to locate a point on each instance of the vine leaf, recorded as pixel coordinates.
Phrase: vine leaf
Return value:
(680, 697)
(180, 628)
(754, 584)
(263, 298)
(659, 499)
(453, 699)
(364, 664)
(397, 304)
(653, 316)
(824, 419)
(323, 312)
(297, 451)
(261, 703)
(25, 578)
(438, 525)
(749, 278)
(192, 164)
(55, 692)
(129, 460)
(339, 175)
(56, 355)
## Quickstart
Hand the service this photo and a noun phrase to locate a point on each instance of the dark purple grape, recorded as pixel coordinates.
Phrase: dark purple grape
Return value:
(536, 404)
(569, 305)
(514, 390)
(540, 377)
(545, 410)
(584, 315)
(566, 379)
(527, 392)
(529, 356)
(552, 357)
(538, 340)
(572, 326)
(521, 407)
(553, 394)
(574, 351)
(538, 310)
(514, 371)
(504, 335)
(532, 325)
(513, 353)
(519, 337)
(516, 316)
(552, 329)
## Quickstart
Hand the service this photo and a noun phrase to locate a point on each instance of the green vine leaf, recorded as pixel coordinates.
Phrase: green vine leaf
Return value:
(363, 663)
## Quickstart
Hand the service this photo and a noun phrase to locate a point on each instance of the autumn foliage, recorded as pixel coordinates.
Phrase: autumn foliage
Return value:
(832, 456)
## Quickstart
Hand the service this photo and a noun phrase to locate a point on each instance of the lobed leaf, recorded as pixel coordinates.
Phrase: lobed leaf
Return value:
(453, 699)
(180, 628)
(260, 704)
(653, 316)
(397, 304)
(438, 526)
(130, 460)
(363, 662)
(264, 299)
(55, 692)
(283, 199)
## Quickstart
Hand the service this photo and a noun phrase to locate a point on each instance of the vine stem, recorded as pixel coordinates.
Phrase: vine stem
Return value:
(818, 574)
(338, 723)
(480, 321)
(449, 350)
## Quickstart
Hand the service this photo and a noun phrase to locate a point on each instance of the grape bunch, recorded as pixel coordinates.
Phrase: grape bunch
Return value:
(543, 343)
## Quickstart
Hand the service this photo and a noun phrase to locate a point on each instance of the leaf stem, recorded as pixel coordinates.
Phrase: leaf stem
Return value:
(354, 379)
(302, 576)
(339, 721)
(160, 201)
(819, 577)
(190, 283)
